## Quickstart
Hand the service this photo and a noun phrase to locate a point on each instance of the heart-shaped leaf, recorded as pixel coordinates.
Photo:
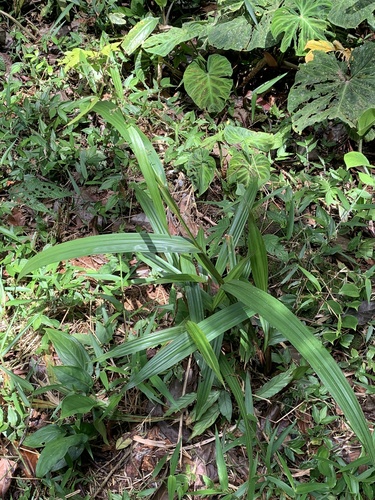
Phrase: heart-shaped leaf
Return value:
(207, 85)
(231, 35)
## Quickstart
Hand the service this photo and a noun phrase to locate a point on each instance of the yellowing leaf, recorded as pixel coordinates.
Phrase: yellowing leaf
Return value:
(317, 45)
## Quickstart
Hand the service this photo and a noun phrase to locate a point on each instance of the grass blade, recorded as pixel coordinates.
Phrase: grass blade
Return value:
(109, 243)
(279, 316)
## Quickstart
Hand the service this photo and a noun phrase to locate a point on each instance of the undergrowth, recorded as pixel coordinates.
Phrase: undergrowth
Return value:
(187, 207)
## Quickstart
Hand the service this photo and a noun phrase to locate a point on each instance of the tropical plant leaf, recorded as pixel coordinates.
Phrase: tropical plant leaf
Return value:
(138, 34)
(70, 351)
(208, 85)
(109, 243)
(200, 169)
(230, 35)
(326, 88)
(350, 13)
(163, 43)
(280, 317)
(245, 166)
(299, 21)
(259, 140)
(52, 456)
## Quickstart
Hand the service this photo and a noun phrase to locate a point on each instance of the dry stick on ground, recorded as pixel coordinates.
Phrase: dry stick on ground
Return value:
(111, 473)
(17, 23)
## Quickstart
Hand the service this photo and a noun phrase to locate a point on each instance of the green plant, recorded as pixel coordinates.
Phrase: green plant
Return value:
(177, 266)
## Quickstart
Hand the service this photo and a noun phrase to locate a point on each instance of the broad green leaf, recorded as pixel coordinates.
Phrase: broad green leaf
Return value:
(365, 122)
(200, 169)
(70, 351)
(310, 347)
(351, 13)
(261, 36)
(350, 290)
(73, 378)
(367, 179)
(230, 35)
(138, 34)
(299, 21)
(209, 86)
(326, 88)
(163, 43)
(52, 456)
(117, 18)
(246, 166)
(44, 435)
(76, 404)
(355, 159)
(109, 243)
(204, 347)
(259, 140)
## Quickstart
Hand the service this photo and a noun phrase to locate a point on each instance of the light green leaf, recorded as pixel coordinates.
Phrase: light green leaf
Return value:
(259, 140)
(355, 159)
(109, 243)
(117, 18)
(309, 346)
(365, 122)
(163, 43)
(351, 13)
(208, 86)
(367, 179)
(326, 88)
(350, 290)
(204, 347)
(299, 21)
(138, 34)
(230, 35)
(70, 351)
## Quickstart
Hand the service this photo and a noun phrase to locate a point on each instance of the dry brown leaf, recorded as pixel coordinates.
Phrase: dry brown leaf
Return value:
(7, 468)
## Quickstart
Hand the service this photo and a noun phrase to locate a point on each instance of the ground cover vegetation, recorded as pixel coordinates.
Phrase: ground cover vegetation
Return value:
(187, 249)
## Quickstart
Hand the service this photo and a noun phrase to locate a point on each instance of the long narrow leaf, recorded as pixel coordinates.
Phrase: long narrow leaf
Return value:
(279, 316)
(183, 345)
(204, 347)
(238, 224)
(109, 243)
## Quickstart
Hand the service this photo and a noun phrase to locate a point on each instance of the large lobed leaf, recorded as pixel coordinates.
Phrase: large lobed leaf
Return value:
(326, 88)
(299, 21)
(350, 13)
